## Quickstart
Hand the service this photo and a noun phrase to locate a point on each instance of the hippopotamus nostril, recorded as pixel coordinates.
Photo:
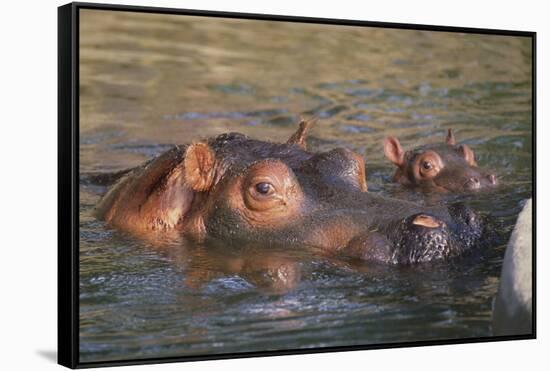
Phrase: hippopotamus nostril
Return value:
(426, 221)
(473, 183)
(492, 179)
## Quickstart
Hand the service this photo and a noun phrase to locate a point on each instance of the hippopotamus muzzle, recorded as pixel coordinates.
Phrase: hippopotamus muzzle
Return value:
(423, 237)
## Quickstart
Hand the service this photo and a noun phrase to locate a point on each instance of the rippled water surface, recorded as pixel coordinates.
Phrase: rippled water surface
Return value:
(151, 81)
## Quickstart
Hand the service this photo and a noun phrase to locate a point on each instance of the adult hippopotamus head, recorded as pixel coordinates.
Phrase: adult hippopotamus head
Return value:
(237, 189)
(445, 167)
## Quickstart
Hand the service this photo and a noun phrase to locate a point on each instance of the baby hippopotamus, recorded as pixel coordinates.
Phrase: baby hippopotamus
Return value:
(235, 189)
(446, 167)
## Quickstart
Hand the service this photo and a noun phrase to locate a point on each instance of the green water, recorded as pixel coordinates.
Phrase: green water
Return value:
(151, 81)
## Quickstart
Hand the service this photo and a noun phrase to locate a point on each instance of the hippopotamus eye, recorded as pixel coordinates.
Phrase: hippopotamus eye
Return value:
(427, 165)
(264, 188)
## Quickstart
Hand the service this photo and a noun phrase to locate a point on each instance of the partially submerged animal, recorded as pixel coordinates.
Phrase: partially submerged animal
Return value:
(513, 304)
(445, 167)
(235, 189)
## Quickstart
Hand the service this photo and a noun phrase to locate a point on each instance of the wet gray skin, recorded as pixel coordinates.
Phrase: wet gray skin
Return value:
(377, 228)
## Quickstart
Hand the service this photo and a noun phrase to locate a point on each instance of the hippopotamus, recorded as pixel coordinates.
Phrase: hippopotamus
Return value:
(236, 189)
(445, 167)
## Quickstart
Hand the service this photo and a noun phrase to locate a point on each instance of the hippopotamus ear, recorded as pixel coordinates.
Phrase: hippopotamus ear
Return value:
(450, 138)
(468, 154)
(299, 137)
(199, 166)
(393, 151)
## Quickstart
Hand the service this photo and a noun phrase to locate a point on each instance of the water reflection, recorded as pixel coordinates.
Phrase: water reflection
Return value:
(151, 81)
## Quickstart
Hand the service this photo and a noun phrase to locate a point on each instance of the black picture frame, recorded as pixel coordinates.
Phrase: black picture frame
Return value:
(68, 179)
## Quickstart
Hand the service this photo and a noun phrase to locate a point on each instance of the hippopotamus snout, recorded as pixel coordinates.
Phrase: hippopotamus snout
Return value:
(467, 226)
(424, 237)
(480, 181)
(421, 238)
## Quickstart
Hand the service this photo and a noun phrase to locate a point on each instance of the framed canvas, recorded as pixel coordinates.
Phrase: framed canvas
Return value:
(241, 185)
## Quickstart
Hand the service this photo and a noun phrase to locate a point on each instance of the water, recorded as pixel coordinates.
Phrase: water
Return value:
(151, 81)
